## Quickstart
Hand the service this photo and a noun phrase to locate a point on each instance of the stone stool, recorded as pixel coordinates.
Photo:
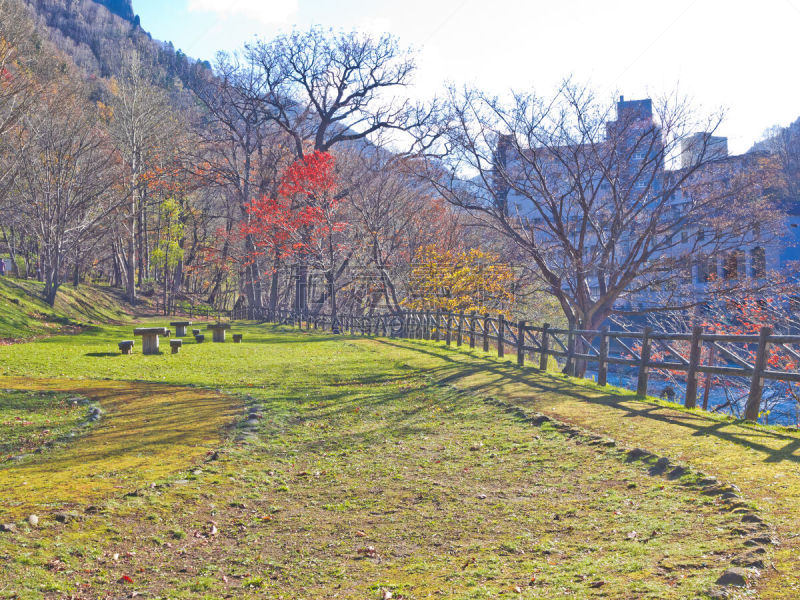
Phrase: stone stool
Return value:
(126, 346)
(175, 345)
(195, 332)
(199, 338)
(237, 338)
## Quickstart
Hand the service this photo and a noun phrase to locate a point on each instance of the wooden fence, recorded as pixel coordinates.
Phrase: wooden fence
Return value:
(692, 354)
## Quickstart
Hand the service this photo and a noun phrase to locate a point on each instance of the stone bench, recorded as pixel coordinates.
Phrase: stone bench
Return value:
(199, 338)
(237, 338)
(218, 331)
(126, 346)
(175, 345)
(150, 338)
(195, 332)
(180, 327)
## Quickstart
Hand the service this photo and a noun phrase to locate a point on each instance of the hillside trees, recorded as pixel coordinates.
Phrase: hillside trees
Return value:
(65, 175)
(243, 154)
(142, 127)
(17, 87)
(328, 91)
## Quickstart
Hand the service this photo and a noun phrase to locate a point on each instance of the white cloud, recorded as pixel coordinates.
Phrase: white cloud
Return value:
(264, 11)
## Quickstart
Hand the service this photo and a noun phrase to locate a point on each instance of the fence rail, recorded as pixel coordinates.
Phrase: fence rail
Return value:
(730, 355)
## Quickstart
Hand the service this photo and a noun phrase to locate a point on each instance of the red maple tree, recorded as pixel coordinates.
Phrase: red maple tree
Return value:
(295, 219)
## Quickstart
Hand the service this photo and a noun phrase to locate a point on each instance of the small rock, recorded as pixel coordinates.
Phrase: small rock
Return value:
(734, 576)
(730, 496)
(197, 472)
(33, 520)
(66, 517)
(481, 496)
(761, 540)
(475, 447)
(8, 527)
(751, 518)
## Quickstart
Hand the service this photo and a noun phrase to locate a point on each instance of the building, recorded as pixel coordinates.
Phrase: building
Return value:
(554, 189)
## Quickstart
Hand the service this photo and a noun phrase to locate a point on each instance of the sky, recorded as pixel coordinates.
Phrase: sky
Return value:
(736, 55)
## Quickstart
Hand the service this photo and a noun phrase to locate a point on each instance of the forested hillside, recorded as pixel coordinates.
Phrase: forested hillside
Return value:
(99, 34)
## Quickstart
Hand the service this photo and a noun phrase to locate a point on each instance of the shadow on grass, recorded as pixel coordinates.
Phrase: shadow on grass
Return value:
(546, 390)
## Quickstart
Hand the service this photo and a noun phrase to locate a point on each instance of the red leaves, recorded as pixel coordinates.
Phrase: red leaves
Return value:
(310, 176)
(300, 215)
(125, 579)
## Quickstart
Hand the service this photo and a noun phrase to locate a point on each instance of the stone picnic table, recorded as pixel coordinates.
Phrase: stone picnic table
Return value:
(180, 327)
(218, 331)
(150, 338)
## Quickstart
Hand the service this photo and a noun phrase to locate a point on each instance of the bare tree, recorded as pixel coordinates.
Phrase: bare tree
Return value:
(64, 178)
(142, 126)
(324, 90)
(243, 153)
(590, 197)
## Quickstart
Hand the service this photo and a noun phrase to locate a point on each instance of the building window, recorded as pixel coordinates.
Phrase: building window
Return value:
(758, 261)
(684, 236)
(730, 266)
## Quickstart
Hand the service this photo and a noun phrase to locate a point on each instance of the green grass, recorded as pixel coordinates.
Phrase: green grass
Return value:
(368, 472)
(24, 315)
(34, 421)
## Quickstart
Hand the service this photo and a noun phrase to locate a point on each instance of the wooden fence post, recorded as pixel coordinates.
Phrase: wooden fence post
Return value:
(472, 329)
(757, 382)
(460, 329)
(521, 343)
(543, 357)
(602, 364)
(695, 351)
(501, 322)
(569, 367)
(486, 332)
(448, 329)
(427, 328)
(644, 368)
(437, 335)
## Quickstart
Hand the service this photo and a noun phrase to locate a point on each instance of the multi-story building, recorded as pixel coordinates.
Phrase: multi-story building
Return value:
(631, 170)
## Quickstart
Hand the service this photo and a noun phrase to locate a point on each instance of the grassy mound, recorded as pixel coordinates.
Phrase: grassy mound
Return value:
(359, 473)
(23, 313)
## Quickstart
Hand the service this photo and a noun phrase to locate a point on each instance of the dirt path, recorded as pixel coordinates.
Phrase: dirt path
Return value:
(147, 432)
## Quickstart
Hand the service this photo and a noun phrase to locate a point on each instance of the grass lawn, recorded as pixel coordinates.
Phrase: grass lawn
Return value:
(34, 421)
(368, 467)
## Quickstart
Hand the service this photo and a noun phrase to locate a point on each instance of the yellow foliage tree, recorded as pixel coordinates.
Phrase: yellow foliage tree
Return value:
(450, 280)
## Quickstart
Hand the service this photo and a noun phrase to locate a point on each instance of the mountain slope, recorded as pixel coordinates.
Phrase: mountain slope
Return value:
(99, 35)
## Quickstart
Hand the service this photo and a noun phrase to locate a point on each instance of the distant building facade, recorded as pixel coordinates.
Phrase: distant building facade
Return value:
(755, 255)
